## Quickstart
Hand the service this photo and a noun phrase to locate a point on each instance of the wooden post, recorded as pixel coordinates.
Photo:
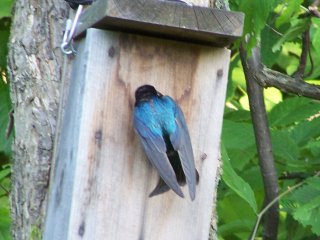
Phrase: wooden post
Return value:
(101, 178)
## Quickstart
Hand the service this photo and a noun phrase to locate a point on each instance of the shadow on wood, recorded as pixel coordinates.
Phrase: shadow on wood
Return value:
(102, 178)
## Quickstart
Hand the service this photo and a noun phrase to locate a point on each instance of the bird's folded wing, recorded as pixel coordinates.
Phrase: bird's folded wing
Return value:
(181, 142)
(155, 149)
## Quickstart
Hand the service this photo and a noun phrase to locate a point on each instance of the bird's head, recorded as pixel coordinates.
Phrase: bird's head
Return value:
(145, 93)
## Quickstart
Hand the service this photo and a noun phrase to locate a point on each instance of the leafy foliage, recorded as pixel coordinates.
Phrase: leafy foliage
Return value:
(295, 138)
(294, 123)
(236, 183)
(4, 202)
(5, 8)
(257, 13)
(296, 28)
(5, 107)
(4, 36)
(292, 110)
(286, 11)
(303, 204)
(4, 220)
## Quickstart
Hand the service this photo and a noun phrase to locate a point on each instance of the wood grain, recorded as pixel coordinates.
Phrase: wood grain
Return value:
(102, 178)
(166, 19)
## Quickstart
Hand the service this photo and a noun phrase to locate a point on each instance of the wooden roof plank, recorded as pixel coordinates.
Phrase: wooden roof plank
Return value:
(166, 19)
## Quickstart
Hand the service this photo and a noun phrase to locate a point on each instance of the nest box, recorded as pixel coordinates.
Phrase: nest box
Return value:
(101, 179)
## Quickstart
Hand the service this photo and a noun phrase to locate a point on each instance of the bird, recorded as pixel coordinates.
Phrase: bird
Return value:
(161, 126)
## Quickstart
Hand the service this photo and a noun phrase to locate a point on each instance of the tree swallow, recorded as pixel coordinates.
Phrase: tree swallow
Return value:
(164, 135)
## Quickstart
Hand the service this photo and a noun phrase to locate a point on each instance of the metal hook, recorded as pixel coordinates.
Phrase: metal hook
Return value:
(66, 45)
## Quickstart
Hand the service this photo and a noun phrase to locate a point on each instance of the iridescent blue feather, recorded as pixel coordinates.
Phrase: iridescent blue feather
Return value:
(164, 135)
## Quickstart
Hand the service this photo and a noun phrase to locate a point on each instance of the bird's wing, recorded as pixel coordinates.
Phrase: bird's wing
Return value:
(155, 149)
(181, 142)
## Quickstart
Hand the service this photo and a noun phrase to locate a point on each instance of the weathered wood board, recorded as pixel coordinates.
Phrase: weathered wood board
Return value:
(165, 19)
(102, 178)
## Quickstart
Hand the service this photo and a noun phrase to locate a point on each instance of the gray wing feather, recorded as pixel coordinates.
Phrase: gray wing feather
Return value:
(181, 142)
(155, 150)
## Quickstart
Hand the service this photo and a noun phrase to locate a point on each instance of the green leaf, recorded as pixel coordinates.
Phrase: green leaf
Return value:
(288, 59)
(238, 116)
(256, 15)
(315, 32)
(305, 131)
(231, 208)
(241, 157)
(235, 182)
(238, 77)
(314, 182)
(314, 147)
(5, 106)
(291, 8)
(283, 146)
(5, 220)
(292, 110)
(291, 229)
(252, 175)
(307, 192)
(237, 135)
(304, 204)
(244, 101)
(4, 37)
(4, 173)
(231, 86)
(298, 26)
(309, 214)
(5, 8)
(239, 225)
(315, 53)
(238, 138)
(272, 96)
(269, 37)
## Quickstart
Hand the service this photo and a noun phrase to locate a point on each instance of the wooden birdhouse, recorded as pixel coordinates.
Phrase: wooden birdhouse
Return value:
(101, 178)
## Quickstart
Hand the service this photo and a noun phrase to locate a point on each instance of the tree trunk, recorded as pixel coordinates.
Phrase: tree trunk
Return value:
(35, 62)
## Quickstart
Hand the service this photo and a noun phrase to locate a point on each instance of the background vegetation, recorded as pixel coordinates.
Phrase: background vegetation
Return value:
(294, 123)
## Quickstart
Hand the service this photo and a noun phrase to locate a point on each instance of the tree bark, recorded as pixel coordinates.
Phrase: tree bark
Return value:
(34, 62)
(263, 142)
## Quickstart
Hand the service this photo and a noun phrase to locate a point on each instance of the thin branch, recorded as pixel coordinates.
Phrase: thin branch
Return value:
(311, 11)
(299, 74)
(274, 201)
(274, 30)
(263, 140)
(270, 78)
(311, 64)
(294, 175)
